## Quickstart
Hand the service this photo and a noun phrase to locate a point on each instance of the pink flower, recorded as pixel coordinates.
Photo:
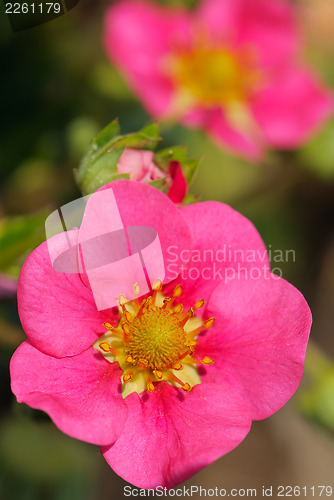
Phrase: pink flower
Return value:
(162, 387)
(231, 68)
(141, 167)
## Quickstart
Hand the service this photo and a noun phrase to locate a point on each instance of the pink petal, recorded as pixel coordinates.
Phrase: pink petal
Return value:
(137, 37)
(139, 165)
(178, 187)
(291, 108)
(135, 163)
(81, 394)
(268, 27)
(259, 338)
(223, 242)
(170, 435)
(57, 310)
(246, 141)
(143, 205)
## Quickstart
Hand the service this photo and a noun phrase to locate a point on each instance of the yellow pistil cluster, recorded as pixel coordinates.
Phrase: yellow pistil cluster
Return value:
(213, 75)
(155, 341)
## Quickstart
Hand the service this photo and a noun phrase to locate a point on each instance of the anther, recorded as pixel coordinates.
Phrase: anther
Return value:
(136, 288)
(126, 327)
(199, 304)
(158, 374)
(208, 323)
(127, 377)
(177, 291)
(157, 285)
(207, 361)
(150, 387)
(178, 309)
(189, 315)
(128, 316)
(190, 312)
(105, 346)
(129, 359)
(178, 366)
(108, 326)
(122, 300)
(186, 387)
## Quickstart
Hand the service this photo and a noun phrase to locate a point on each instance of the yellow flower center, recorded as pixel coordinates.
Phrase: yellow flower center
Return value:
(158, 338)
(212, 75)
(154, 341)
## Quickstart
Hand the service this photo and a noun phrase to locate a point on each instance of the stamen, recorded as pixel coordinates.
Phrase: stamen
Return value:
(189, 314)
(153, 340)
(199, 304)
(158, 374)
(128, 316)
(150, 387)
(126, 327)
(105, 346)
(157, 285)
(207, 361)
(208, 323)
(178, 309)
(122, 300)
(108, 326)
(186, 387)
(166, 302)
(127, 377)
(178, 366)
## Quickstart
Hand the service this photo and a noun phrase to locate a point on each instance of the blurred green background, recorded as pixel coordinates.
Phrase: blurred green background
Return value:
(57, 90)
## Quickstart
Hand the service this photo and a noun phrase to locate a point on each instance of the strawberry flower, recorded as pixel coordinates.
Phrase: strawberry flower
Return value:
(171, 381)
(231, 67)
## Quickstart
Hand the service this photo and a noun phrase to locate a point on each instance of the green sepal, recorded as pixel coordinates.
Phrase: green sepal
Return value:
(165, 156)
(189, 168)
(160, 184)
(177, 153)
(99, 165)
(101, 172)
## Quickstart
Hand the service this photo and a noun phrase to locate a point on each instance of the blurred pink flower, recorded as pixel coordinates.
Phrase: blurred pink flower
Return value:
(231, 67)
(164, 406)
(140, 166)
